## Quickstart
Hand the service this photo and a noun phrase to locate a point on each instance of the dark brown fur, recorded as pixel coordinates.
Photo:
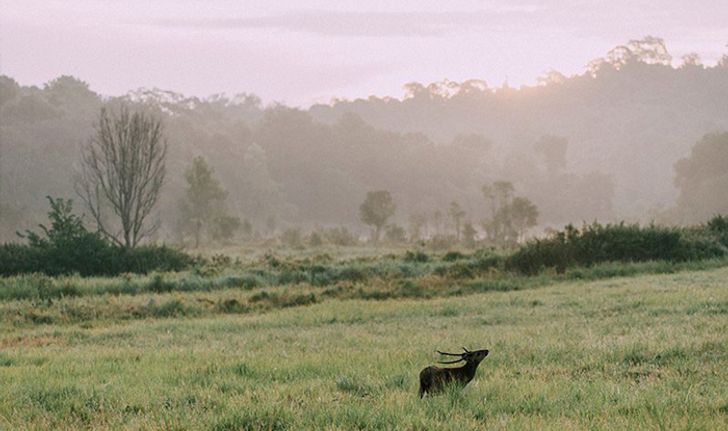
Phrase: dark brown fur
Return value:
(435, 379)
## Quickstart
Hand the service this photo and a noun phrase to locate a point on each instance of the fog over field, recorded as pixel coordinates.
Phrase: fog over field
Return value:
(591, 111)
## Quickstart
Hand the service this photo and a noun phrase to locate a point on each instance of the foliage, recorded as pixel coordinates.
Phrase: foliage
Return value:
(597, 243)
(456, 213)
(376, 209)
(312, 165)
(417, 222)
(510, 216)
(340, 236)
(702, 179)
(66, 247)
(442, 242)
(395, 234)
(315, 239)
(292, 237)
(203, 207)
(224, 227)
(469, 235)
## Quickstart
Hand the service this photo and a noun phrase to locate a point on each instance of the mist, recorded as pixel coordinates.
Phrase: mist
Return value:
(619, 135)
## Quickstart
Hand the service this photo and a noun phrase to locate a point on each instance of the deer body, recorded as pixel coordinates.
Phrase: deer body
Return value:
(435, 379)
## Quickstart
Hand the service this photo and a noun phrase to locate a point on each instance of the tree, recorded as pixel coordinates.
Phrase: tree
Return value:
(469, 234)
(224, 226)
(246, 229)
(395, 234)
(417, 222)
(204, 202)
(437, 220)
(123, 167)
(457, 214)
(510, 216)
(553, 151)
(524, 215)
(376, 209)
(702, 179)
(691, 59)
(498, 196)
(260, 192)
(503, 191)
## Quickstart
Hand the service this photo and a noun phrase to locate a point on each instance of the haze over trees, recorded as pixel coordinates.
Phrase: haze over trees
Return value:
(509, 216)
(702, 179)
(376, 209)
(202, 209)
(602, 145)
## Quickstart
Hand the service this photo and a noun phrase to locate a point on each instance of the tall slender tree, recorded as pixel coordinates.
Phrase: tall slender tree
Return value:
(457, 214)
(202, 209)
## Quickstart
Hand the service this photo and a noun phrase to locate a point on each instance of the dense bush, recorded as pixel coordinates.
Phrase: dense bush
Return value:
(718, 228)
(86, 260)
(597, 243)
(66, 247)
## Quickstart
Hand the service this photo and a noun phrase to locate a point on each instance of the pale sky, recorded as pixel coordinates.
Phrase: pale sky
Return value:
(301, 52)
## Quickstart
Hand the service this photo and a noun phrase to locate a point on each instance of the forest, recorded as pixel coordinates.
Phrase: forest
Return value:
(636, 137)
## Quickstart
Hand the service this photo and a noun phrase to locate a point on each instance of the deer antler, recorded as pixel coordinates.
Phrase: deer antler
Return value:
(449, 354)
(451, 362)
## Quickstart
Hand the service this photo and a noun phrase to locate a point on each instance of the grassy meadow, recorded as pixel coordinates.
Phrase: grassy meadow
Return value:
(575, 351)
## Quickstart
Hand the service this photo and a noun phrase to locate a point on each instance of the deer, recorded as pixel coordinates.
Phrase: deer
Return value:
(435, 379)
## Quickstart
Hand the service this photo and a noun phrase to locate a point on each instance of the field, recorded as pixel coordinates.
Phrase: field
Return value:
(647, 351)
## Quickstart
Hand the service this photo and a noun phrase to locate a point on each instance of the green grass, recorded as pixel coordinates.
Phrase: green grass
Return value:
(644, 352)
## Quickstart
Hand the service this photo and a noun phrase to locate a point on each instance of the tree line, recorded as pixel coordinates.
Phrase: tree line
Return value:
(600, 145)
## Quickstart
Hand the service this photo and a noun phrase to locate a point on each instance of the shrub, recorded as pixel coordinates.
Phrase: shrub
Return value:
(339, 236)
(395, 234)
(66, 247)
(718, 228)
(443, 242)
(148, 258)
(416, 256)
(452, 256)
(597, 243)
(315, 240)
(292, 238)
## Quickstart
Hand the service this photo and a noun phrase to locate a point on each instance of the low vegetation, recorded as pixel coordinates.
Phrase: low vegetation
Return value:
(67, 247)
(647, 352)
(598, 243)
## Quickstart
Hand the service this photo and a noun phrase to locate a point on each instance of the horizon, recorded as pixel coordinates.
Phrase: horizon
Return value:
(300, 57)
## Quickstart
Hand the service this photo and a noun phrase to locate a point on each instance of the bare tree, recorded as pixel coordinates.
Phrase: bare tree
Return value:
(123, 168)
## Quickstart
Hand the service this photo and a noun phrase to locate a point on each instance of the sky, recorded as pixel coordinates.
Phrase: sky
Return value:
(304, 52)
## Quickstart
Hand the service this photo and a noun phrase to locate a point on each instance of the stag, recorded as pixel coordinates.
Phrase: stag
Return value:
(435, 379)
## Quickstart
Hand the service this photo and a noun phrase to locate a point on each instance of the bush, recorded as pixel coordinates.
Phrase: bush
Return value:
(67, 248)
(442, 242)
(339, 236)
(718, 227)
(395, 234)
(597, 243)
(292, 238)
(452, 256)
(416, 256)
